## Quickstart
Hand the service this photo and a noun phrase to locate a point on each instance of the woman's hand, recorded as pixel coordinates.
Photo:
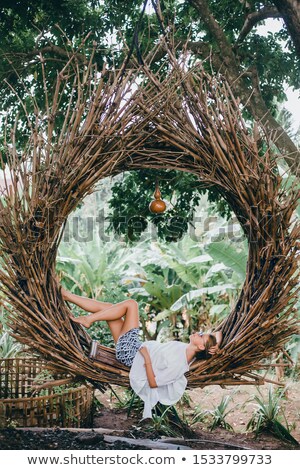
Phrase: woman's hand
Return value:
(148, 366)
(214, 349)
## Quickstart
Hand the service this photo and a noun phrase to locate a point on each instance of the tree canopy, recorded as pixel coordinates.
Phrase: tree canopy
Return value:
(223, 33)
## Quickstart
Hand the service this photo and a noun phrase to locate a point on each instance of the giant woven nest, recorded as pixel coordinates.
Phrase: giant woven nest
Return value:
(113, 122)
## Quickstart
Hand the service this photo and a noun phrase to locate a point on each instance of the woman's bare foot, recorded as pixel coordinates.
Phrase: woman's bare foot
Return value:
(84, 321)
(64, 293)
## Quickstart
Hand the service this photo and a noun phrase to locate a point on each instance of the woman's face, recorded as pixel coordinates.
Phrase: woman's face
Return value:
(199, 340)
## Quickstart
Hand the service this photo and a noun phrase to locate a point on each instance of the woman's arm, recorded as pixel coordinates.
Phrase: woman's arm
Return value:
(148, 365)
(219, 336)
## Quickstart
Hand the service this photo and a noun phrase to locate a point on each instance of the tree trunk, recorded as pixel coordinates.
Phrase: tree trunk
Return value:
(257, 107)
(226, 60)
(290, 12)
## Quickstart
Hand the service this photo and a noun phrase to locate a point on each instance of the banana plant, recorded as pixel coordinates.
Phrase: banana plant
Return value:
(229, 255)
(158, 294)
(99, 269)
(194, 295)
(8, 346)
(227, 274)
(184, 259)
(163, 295)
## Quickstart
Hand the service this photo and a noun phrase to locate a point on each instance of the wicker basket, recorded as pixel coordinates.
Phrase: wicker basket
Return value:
(23, 406)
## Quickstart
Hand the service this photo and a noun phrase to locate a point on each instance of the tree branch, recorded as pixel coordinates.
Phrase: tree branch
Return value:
(253, 18)
(18, 59)
(200, 48)
(227, 62)
(52, 49)
(290, 11)
(213, 26)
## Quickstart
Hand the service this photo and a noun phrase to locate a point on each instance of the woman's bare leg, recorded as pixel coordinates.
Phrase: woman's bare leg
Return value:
(112, 315)
(117, 325)
(90, 305)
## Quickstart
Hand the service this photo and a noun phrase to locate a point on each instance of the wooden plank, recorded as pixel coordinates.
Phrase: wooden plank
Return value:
(146, 443)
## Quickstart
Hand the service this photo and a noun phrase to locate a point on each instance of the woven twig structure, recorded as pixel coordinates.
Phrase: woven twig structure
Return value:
(46, 405)
(183, 120)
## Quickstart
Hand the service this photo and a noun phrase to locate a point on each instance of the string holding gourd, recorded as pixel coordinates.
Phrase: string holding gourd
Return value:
(135, 39)
(157, 206)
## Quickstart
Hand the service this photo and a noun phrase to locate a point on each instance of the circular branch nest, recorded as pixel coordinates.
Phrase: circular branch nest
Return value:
(188, 121)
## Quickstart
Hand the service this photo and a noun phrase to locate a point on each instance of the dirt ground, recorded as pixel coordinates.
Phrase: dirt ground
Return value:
(241, 408)
(243, 404)
(113, 429)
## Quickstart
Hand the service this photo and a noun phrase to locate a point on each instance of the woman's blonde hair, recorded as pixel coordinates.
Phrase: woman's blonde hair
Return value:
(204, 354)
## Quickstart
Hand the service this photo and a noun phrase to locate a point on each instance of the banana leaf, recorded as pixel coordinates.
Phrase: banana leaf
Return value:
(194, 295)
(228, 255)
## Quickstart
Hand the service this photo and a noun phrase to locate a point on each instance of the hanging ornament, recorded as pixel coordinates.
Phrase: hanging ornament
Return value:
(158, 205)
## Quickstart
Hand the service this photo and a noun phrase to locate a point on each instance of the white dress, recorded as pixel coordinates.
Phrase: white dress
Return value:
(169, 363)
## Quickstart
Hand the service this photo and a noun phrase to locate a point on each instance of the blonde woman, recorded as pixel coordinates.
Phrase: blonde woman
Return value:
(157, 369)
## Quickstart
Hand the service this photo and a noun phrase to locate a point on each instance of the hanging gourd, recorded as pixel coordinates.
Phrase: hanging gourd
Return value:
(158, 205)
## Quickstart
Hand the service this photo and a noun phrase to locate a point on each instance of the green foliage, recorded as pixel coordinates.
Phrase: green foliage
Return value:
(162, 294)
(267, 416)
(129, 401)
(167, 422)
(219, 414)
(9, 347)
(185, 401)
(231, 255)
(199, 416)
(226, 275)
(187, 259)
(194, 295)
(275, 60)
(129, 204)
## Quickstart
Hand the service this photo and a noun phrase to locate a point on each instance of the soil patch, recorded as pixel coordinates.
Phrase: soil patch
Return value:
(112, 424)
(240, 410)
(200, 439)
(58, 439)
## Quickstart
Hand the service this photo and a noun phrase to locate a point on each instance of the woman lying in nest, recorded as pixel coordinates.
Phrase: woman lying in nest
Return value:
(156, 369)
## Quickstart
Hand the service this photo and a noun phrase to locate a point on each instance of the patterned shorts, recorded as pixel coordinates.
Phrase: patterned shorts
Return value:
(127, 346)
